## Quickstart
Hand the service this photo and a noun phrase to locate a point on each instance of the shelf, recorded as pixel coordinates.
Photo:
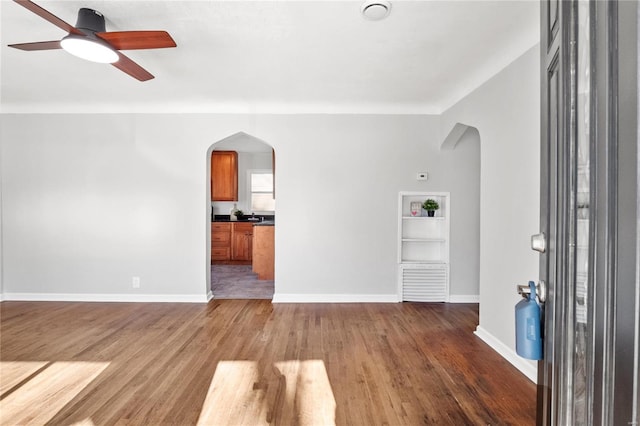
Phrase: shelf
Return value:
(422, 218)
(423, 248)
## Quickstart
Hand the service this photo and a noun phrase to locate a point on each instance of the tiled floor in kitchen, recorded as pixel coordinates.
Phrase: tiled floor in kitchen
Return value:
(238, 282)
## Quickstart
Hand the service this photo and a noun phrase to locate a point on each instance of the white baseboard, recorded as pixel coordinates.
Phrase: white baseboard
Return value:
(359, 298)
(335, 298)
(89, 297)
(209, 295)
(464, 298)
(526, 367)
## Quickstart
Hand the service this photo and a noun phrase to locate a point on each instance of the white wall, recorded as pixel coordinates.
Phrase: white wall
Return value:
(88, 205)
(465, 218)
(91, 200)
(1, 224)
(506, 112)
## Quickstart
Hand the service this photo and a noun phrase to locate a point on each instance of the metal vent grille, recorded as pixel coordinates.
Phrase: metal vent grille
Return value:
(424, 284)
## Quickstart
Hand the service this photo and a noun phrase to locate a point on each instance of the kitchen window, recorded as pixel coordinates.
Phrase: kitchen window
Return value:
(261, 191)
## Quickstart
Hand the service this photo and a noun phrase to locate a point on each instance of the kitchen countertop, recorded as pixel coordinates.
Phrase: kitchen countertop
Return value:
(254, 222)
(269, 220)
(265, 223)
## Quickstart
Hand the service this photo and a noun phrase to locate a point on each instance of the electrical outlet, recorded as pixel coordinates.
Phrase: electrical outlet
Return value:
(422, 176)
(135, 282)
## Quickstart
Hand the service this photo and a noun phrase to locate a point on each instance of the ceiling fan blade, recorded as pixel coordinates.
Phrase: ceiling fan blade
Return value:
(131, 40)
(38, 45)
(125, 64)
(43, 13)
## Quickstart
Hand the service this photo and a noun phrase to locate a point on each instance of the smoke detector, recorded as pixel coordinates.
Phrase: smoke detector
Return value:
(375, 10)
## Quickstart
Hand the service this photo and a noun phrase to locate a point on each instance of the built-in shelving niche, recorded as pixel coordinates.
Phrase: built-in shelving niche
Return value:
(423, 248)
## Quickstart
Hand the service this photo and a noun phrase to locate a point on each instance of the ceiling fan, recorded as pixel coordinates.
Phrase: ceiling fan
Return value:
(90, 40)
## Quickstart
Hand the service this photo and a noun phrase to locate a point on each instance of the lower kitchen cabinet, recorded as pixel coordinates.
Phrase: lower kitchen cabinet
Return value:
(263, 252)
(231, 243)
(220, 241)
(242, 241)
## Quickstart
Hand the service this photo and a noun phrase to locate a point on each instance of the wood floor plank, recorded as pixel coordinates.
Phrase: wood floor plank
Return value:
(251, 362)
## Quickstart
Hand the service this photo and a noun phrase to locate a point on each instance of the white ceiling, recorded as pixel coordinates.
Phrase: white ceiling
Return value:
(270, 56)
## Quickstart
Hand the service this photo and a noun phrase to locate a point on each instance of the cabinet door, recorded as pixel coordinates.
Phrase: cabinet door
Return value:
(242, 246)
(220, 253)
(220, 241)
(224, 176)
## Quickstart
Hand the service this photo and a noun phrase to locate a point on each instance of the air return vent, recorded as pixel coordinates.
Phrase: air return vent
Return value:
(424, 283)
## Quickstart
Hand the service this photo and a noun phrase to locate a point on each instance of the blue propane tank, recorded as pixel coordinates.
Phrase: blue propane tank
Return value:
(528, 336)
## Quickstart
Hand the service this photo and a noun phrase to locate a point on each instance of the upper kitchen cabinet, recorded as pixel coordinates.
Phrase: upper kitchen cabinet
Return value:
(224, 176)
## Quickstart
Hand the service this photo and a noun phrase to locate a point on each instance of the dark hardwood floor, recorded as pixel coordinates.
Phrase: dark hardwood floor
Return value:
(234, 362)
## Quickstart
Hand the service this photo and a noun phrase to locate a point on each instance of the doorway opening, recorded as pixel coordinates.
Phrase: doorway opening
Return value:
(242, 194)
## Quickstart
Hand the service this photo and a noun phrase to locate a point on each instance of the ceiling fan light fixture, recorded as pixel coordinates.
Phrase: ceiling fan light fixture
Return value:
(86, 48)
(375, 10)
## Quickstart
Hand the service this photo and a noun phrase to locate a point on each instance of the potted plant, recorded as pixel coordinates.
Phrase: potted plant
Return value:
(430, 205)
(238, 214)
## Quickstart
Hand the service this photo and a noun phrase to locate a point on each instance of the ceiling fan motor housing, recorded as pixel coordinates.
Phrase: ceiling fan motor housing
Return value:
(90, 21)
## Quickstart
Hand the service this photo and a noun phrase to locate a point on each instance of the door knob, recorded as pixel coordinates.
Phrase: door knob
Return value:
(539, 242)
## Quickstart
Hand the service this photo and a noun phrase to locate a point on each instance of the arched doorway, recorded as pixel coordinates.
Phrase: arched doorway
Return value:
(242, 194)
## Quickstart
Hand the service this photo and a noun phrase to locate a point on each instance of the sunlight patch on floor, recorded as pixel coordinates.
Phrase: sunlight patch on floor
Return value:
(309, 392)
(34, 392)
(232, 399)
(85, 422)
(12, 373)
(289, 392)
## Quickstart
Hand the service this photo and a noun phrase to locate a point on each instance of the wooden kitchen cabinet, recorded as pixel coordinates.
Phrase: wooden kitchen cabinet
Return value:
(224, 176)
(220, 241)
(242, 241)
(231, 243)
(263, 252)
